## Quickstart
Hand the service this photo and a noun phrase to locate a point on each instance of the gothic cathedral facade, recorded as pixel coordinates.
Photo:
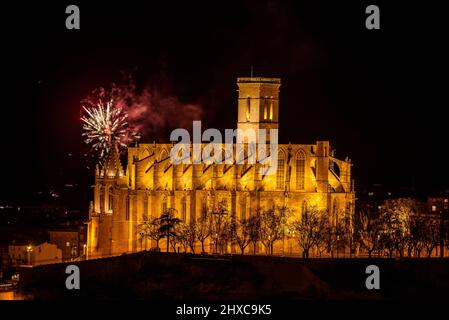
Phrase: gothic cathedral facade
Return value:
(307, 175)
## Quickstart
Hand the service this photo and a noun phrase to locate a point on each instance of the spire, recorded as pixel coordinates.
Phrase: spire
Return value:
(112, 166)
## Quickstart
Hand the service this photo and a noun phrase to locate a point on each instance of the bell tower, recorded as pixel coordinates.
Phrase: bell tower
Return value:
(258, 103)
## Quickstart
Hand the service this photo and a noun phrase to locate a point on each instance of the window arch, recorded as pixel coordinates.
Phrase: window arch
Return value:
(163, 155)
(102, 200)
(300, 169)
(280, 181)
(127, 207)
(164, 204)
(243, 208)
(145, 207)
(265, 109)
(304, 209)
(184, 209)
(248, 108)
(182, 157)
(203, 206)
(110, 199)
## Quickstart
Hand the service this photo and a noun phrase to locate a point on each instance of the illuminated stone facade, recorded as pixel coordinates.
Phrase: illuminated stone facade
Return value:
(307, 175)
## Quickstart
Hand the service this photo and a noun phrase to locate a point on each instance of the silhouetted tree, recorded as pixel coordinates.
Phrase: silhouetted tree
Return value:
(167, 224)
(150, 229)
(395, 216)
(253, 225)
(309, 229)
(415, 243)
(226, 233)
(431, 235)
(332, 234)
(272, 226)
(243, 234)
(203, 229)
(220, 222)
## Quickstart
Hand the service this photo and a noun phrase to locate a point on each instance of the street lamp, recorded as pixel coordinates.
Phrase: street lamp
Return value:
(216, 243)
(292, 237)
(269, 244)
(85, 251)
(338, 242)
(29, 249)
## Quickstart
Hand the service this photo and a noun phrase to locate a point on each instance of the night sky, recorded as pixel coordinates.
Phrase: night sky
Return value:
(373, 93)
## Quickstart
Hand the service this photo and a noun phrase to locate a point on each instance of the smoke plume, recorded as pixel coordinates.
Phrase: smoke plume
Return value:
(150, 114)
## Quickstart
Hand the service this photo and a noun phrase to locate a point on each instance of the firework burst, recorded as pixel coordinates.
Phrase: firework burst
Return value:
(105, 127)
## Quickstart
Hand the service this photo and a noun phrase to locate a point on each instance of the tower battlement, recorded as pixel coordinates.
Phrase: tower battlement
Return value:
(258, 80)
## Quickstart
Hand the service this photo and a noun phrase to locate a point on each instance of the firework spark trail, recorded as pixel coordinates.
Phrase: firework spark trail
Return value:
(105, 126)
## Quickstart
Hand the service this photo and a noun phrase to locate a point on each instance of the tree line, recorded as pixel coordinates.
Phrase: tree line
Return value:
(396, 228)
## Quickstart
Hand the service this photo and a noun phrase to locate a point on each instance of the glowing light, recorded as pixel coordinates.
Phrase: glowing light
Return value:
(105, 126)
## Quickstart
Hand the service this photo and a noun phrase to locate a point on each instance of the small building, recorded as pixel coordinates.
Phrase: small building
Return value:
(34, 254)
(71, 241)
(438, 204)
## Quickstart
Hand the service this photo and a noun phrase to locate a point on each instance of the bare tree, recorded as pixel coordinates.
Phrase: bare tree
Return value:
(332, 234)
(416, 237)
(396, 222)
(191, 235)
(167, 224)
(253, 225)
(150, 229)
(181, 234)
(220, 224)
(309, 229)
(226, 233)
(446, 233)
(431, 235)
(243, 234)
(351, 237)
(368, 229)
(272, 226)
(203, 229)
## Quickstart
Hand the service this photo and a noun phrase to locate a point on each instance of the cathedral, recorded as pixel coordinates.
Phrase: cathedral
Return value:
(307, 175)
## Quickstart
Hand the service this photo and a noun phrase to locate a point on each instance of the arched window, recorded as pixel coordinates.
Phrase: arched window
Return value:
(300, 167)
(145, 207)
(182, 156)
(335, 209)
(102, 200)
(110, 199)
(243, 208)
(164, 204)
(248, 109)
(203, 206)
(127, 207)
(163, 157)
(184, 209)
(304, 209)
(265, 109)
(280, 172)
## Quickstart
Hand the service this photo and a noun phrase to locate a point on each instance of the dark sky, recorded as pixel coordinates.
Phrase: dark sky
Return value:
(373, 94)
